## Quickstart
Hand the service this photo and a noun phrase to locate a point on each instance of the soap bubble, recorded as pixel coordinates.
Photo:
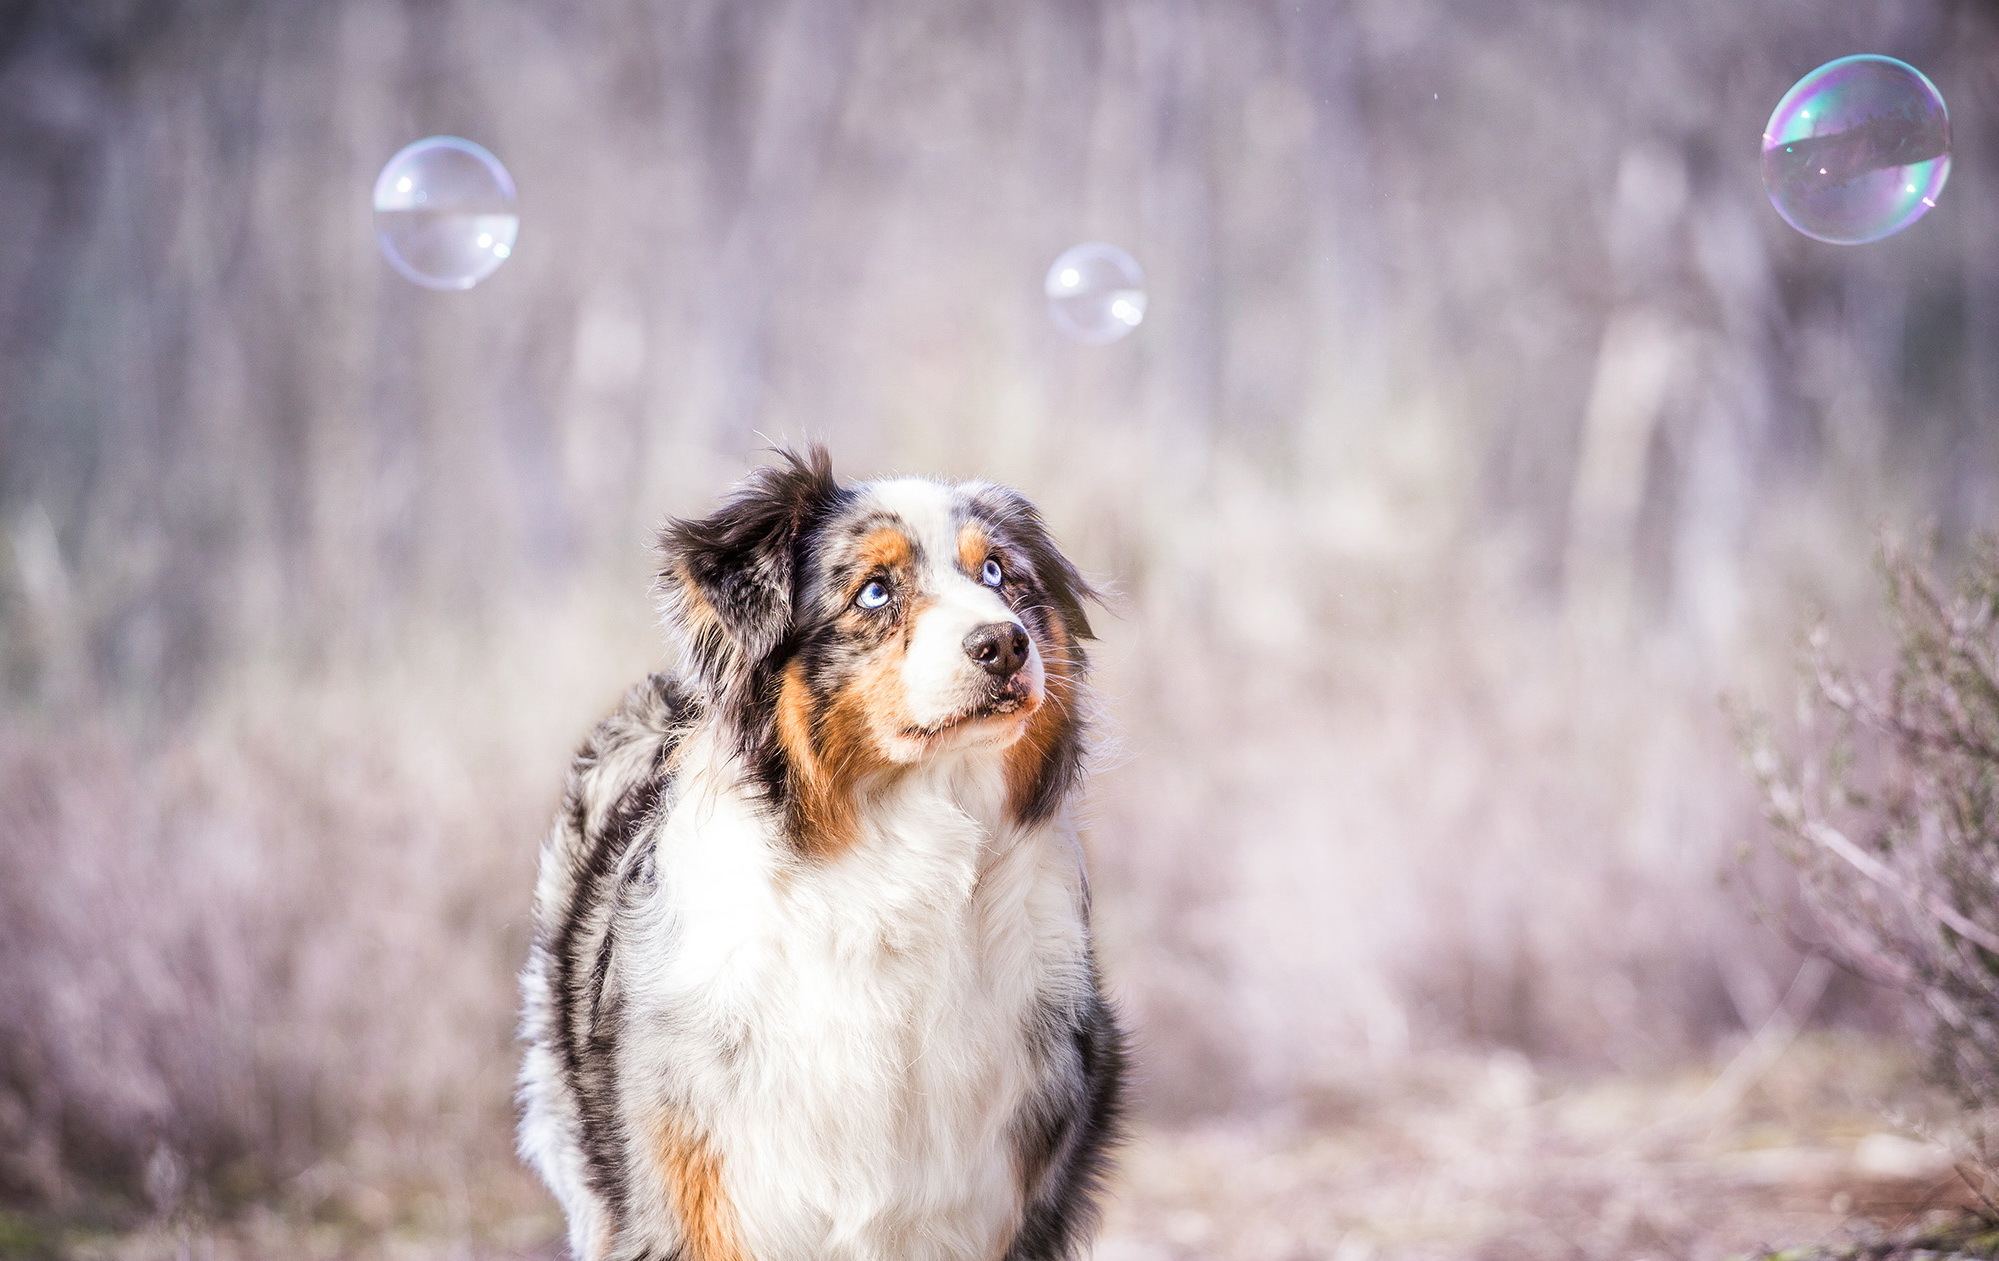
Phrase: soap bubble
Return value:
(444, 213)
(1096, 293)
(1858, 150)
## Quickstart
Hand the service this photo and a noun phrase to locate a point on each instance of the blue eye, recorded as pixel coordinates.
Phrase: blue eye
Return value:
(872, 596)
(992, 575)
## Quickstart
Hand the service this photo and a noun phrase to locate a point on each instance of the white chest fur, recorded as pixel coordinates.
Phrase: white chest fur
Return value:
(855, 1034)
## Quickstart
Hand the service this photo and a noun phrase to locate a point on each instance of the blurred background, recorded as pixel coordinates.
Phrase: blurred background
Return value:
(1487, 429)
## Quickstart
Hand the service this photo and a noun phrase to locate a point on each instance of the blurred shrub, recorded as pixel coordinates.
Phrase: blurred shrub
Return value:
(1890, 810)
(267, 955)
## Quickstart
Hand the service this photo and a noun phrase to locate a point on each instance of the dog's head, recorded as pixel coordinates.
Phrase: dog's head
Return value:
(849, 633)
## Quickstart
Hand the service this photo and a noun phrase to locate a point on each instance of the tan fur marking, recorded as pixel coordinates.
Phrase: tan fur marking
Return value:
(871, 706)
(693, 1173)
(823, 825)
(884, 549)
(1050, 723)
(973, 547)
(832, 764)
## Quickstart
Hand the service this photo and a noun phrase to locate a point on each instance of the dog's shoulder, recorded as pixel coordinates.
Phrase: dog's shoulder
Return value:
(630, 751)
(617, 781)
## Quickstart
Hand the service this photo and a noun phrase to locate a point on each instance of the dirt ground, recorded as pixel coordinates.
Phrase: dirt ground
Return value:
(1490, 1160)
(1479, 1158)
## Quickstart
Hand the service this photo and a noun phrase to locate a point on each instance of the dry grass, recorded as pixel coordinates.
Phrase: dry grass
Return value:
(1446, 1157)
(269, 956)
(1488, 1158)
(1393, 810)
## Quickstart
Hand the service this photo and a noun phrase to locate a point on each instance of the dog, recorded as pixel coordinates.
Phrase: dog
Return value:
(812, 973)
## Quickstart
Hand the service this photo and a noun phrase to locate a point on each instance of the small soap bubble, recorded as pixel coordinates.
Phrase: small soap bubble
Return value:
(445, 214)
(1096, 293)
(1858, 150)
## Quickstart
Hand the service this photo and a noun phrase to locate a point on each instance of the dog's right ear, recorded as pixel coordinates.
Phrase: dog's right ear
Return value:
(726, 580)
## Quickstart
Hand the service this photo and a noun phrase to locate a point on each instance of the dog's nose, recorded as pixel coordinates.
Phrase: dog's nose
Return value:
(998, 647)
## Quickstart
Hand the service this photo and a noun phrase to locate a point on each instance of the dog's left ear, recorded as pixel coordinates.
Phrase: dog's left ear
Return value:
(727, 580)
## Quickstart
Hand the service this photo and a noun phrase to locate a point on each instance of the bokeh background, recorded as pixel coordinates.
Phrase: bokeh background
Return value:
(1487, 430)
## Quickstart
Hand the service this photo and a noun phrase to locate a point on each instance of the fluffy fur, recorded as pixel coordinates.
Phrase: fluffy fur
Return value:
(812, 974)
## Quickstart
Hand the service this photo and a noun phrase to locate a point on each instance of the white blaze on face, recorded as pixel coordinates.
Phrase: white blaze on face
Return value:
(941, 683)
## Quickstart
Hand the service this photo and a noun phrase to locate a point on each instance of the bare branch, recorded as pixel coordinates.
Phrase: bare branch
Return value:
(1867, 865)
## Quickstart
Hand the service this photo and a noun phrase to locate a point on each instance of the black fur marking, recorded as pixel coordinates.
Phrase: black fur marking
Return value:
(584, 1067)
(744, 564)
(1064, 1138)
(763, 752)
(587, 1026)
(1058, 774)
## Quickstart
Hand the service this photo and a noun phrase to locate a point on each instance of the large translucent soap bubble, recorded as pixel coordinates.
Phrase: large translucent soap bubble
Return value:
(444, 213)
(1858, 150)
(1096, 293)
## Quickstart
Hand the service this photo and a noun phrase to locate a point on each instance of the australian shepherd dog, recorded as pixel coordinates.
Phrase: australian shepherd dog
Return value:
(812, 976)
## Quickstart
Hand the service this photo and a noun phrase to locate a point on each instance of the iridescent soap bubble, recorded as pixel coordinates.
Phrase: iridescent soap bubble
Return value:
(1096, 293)
(444, 213)
(1858, 150)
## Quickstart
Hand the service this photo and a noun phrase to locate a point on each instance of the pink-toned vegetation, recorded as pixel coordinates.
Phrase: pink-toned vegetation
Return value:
(1484, 430)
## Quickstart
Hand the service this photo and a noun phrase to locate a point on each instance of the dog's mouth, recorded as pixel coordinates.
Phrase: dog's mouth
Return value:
(1013, 700)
